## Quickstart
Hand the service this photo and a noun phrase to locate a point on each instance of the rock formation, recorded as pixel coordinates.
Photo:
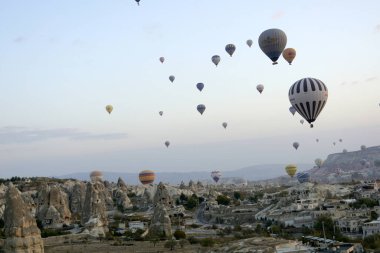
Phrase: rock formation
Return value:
(76, 200)
(162, 196)
(121, 196)
(20, 228)
(160, 225)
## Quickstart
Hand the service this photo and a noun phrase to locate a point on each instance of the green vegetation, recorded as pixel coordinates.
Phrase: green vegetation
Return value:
(372, 242)
(170, 244)
(179, 234)
(364, 202)
(207, 242)
(223, 200)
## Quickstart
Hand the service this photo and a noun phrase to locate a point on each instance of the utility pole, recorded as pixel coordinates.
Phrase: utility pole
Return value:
(324, 234)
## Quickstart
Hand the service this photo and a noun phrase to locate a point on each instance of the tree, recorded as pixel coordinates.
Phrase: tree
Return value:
(223, 200)
(207, 242)
(170, 244)
(328, 223)
(179, 234)
(374, 215)
(182, 243)
(154, 240)
(192, 202)
(237, 195)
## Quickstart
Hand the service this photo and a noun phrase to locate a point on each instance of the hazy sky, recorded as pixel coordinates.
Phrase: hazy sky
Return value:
(62, 62)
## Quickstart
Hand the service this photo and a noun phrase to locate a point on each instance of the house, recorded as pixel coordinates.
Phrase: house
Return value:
(370, 228)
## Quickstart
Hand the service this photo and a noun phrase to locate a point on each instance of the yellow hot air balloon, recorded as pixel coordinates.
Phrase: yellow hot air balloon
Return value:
(109, 108)
(147, 176)
(289, 54)
(291, 169)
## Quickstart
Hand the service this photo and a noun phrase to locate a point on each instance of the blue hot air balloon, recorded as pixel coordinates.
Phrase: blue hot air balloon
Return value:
(303, 177)
(200, 86)
(272, 42)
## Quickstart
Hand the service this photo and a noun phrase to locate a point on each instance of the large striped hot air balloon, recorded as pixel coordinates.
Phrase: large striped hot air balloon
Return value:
(215, 175)
(291, 169)
(272, 42)
(147, 177)
(308, 96)
(303, 177)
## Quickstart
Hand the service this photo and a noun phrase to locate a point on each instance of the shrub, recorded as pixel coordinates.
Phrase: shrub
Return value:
(179, 234)
(207, 242)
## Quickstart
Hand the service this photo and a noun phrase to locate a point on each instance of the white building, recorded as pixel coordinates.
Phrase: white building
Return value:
(134, 225)
(371, 228)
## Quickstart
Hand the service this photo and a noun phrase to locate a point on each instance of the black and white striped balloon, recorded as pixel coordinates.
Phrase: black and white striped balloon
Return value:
(308, 96)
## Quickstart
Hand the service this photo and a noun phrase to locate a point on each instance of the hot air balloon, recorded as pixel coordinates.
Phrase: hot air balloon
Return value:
(216, 175)
(344, 151)
(340, 140)
(292, 110)
(363, 147)
(302, 121)
(289, 54)
(249, 43)
(260, 88)
(377, 163)
(318, 162)
(161, 112)
(308, 96)
(147, 177)
(162, 59)
(201, 108)
(224, 124)
(109, 108)
(291, 169)
(334, 143)
(317, 140)
(215, 59)
(272, 42)
(296, 145)
(200, 86)
(171, 78)
(138, 2)
(230, 49)
(303, 177)
(167, 143)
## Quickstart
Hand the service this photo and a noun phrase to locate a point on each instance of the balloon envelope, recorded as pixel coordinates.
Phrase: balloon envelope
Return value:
(167, 143)
(249, 43)
(272, 42)
(291, 169)
(200, 86)
(292, 110)
(138, 2)
(161, 112)
(171, 78)
(296, 145)
(201, 108)
(289, 54)
(162, 59)
(303, 177)
(230, 49)
(224, 124)
(260, 88)
(147, 177)
(109, 108)
(215, 59)
(317, 140)
(216, 175)
(308, 96)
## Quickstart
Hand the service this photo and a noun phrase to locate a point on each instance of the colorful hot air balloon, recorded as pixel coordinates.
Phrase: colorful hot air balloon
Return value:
(215, 59)
(289, 54)
(171, 78)
(292, 110)
(302, 121)
(216, 175)
(200, 86)
(167, 143)
(230, 49)
(363, 147)
(249, 43)
(260, 88)
(318, 162)
(291, 169)
(109, 108)
(308, 96)
(296, 145)
(272, 42)
(201, 108)
(224, 124)
(303, 177)
(162, 59)
(147, 177)
(160, 112)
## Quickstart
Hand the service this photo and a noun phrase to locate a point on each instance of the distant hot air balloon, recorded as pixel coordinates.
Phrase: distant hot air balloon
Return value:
(334, 143)
(200, 86)
(296, 145)
(340, 140)
(171, 78)
(249, 43)
(308, 96)
(216, 175)
(147, 177)
(224, 124)
(167, 143)
(344, 151)
(215, 59)
(302, 121)
(291, 169)
(303, 177)
(292, 110)
(138, 2)
(162, 59)
(318, 162)
(317, 140)
(272, 42)
(161, 112)
(363, 147)
(109, 108)
(201, 108)
(260, 88)
(230, 49)
(289, 54)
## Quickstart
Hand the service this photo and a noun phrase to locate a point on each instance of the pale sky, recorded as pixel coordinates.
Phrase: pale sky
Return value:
(62, 62)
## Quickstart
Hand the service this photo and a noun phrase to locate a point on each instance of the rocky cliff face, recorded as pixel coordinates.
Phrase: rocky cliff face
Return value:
(21, 231)
(162, 196)
(3, 190)
(121, 195)
(77, 194)
(160, 225)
